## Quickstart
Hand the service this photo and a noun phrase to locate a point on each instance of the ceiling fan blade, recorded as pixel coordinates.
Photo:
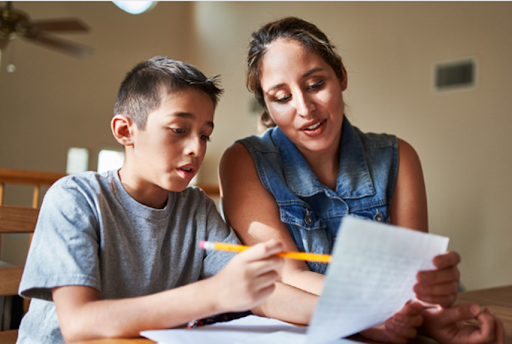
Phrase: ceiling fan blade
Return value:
(59, 25)
(64, 46)
(4, 42)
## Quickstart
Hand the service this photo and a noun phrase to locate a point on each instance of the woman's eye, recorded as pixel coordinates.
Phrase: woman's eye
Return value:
(205, 138)
(283, 98)
(316, 85)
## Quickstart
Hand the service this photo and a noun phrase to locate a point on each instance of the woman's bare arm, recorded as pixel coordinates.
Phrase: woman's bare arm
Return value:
(409, 210)
(253, 213)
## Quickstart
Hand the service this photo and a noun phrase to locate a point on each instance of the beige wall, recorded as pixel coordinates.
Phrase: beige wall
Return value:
(54, 101)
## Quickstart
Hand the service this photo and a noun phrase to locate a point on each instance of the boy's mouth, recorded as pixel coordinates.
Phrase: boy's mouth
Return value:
(187, 171)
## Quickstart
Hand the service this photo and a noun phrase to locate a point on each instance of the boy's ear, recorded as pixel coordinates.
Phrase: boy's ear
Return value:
(122, 128)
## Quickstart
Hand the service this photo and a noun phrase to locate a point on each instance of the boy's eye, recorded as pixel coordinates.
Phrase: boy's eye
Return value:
(178, 130)
(205, 138)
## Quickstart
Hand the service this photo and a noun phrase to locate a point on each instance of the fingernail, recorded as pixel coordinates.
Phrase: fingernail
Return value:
(475, 309)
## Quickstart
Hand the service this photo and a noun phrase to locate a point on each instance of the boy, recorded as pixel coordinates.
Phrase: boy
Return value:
(117, 253)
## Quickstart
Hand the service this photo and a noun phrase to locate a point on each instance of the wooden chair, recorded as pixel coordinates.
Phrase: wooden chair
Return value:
(17, 219)
(14, 219)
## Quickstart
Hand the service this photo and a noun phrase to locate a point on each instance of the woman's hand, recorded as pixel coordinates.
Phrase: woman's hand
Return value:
(450, 326)
(399, 328)
(249, 277)
(439, 286)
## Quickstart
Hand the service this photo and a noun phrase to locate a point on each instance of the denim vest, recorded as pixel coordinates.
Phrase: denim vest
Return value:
(313, 212)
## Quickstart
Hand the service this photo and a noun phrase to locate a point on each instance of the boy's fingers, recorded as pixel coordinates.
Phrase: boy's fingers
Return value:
(265, 280)
(263, 250)
(262, 266)
(446, 260)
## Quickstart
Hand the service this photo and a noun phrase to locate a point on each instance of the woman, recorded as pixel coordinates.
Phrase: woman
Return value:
(311, 168)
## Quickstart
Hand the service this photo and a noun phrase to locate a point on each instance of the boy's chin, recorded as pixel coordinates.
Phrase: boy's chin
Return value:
(179, 187)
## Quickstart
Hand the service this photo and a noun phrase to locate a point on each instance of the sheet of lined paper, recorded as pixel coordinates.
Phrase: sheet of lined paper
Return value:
(371, 275)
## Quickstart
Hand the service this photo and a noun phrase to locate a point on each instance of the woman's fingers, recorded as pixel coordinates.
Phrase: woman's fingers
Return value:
(446, 260)
(439, 286)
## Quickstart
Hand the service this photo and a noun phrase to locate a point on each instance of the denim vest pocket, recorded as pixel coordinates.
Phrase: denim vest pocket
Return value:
(308, 231)
(375, 213)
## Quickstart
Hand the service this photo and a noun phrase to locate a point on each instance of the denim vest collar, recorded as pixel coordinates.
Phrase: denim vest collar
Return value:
(353, 181)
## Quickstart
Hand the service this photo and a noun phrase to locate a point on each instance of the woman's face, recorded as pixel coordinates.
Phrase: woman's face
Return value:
(303, 96)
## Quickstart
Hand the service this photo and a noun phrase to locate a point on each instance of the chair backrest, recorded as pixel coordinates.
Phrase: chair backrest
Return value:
(14, 219)
(17, 219)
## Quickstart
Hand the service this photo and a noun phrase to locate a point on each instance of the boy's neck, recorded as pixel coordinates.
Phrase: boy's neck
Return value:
(151, 196)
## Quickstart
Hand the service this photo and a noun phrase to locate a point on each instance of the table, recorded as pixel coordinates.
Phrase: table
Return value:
(498, 299)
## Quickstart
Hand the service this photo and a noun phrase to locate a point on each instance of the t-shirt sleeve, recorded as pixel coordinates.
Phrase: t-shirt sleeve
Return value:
(217, 231)
(64, 248)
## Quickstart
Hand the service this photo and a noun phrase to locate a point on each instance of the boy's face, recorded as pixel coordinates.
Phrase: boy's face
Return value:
(168, 152)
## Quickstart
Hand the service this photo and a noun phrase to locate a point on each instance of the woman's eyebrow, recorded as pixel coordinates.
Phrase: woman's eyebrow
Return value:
(305, 75)
(312, 71)
(274, 87)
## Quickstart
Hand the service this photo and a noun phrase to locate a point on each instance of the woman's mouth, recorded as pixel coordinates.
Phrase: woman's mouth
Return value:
(314, 129)
(314, 126)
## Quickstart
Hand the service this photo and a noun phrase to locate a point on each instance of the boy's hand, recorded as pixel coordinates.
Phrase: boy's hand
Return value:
(249, 277)
(449, 325)
(399, 328)
(439, 286)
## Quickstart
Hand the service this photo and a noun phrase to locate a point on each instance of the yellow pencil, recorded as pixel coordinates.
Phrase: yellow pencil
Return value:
(220, 246)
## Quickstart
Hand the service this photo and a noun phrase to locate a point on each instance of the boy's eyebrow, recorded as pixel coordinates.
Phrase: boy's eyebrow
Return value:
(189, 115)
(305, 75)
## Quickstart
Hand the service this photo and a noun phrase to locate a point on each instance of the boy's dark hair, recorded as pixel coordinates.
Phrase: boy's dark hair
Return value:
(142, 89)
(301, 31)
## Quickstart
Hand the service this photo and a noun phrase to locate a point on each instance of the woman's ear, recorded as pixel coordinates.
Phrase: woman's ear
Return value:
(344, 80)
(122, 128)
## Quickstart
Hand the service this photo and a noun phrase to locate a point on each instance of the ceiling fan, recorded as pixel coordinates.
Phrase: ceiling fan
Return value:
(15, 23)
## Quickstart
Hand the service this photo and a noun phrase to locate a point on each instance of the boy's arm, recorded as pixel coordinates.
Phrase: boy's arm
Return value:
(245, 281)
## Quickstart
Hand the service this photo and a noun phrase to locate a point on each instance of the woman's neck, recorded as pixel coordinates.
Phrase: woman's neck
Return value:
(325, 166)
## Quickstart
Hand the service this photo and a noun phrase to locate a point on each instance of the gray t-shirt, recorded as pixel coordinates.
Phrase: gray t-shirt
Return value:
(90, 232)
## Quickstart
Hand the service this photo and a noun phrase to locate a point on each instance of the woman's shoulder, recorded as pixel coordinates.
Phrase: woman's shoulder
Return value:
(263, 142)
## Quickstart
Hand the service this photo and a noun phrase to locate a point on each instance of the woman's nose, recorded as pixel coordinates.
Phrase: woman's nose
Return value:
(305, 106)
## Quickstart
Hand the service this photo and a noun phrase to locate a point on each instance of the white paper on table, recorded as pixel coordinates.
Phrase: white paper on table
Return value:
(370, 277)
(286, 337)
(226, 332)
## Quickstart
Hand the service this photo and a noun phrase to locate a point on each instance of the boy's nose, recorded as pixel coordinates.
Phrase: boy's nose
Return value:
(195, 147)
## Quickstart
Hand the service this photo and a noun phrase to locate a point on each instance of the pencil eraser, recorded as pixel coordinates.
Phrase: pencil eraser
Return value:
(201, 244)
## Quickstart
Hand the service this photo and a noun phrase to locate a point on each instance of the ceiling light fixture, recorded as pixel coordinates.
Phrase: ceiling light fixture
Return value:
(135, 7)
